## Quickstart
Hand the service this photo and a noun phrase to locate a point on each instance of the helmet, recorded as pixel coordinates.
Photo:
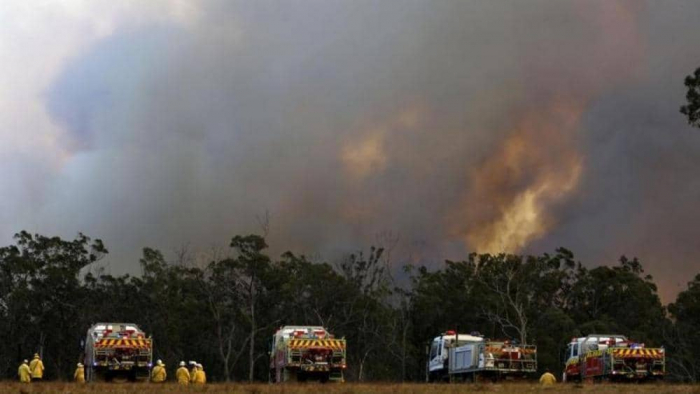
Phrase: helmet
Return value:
(182, 363)
(80, 365)
(159, 362)
(36, 355)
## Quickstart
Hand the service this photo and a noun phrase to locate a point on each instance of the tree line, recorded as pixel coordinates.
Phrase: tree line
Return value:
(222, 313)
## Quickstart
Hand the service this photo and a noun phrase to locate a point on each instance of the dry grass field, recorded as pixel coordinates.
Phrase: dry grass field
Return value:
(348, 388)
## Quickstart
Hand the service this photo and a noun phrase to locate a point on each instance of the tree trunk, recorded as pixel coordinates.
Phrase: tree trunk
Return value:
(225, 355)
(360, 375)
(227, 374)
(403, 353)
(251, 353)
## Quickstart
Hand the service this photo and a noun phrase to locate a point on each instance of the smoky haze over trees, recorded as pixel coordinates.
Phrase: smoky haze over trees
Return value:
(164, 122)
(223, 311)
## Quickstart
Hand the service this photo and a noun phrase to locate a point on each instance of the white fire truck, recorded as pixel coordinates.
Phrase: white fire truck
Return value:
(470, 357)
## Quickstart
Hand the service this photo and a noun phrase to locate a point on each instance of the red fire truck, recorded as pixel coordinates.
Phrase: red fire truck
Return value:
(612, 357)
(300, 353)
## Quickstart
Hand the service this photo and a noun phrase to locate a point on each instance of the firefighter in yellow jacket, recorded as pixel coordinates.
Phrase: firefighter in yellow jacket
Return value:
(182, 374)
(200, 377)
(37, 368)
(193, 371)
(547, 379)
(79, 375)
(158, 375)
(24, 373)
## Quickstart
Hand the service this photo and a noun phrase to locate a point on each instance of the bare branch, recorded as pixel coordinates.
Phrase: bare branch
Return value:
(264, 223)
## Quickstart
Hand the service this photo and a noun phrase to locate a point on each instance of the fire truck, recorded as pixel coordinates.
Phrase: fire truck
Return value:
(599, 357)
(300, 353)
(471, 357)
(117, 351)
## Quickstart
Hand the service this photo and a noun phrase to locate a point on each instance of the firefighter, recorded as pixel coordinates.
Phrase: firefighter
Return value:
(200, 377)
(25, 374)
(193, 371)
(158, 374)
(79, 375)
(547, 379)
(182, 374)
(37, 368)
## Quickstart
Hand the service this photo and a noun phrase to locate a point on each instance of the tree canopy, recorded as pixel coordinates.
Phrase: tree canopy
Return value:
(222, 312)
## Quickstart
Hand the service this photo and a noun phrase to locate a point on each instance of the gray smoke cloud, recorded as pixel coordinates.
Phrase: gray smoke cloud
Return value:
(453, 126)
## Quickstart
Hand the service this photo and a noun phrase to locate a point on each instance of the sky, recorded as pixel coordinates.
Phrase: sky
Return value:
(432, 128)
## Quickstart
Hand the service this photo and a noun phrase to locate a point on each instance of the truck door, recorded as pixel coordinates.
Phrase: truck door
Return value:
(571, 352)
(573, 364)
(592, 359)
(435, 356)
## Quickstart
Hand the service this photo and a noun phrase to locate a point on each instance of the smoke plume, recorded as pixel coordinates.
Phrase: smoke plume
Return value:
(438, 128)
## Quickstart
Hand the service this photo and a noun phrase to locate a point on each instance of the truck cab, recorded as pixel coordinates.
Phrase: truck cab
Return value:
(579, 347)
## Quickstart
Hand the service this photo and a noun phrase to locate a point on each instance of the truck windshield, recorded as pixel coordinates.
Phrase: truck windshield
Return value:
(434, 350)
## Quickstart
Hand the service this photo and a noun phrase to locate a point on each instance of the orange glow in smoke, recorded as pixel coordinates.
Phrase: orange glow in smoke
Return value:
(514, 190)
